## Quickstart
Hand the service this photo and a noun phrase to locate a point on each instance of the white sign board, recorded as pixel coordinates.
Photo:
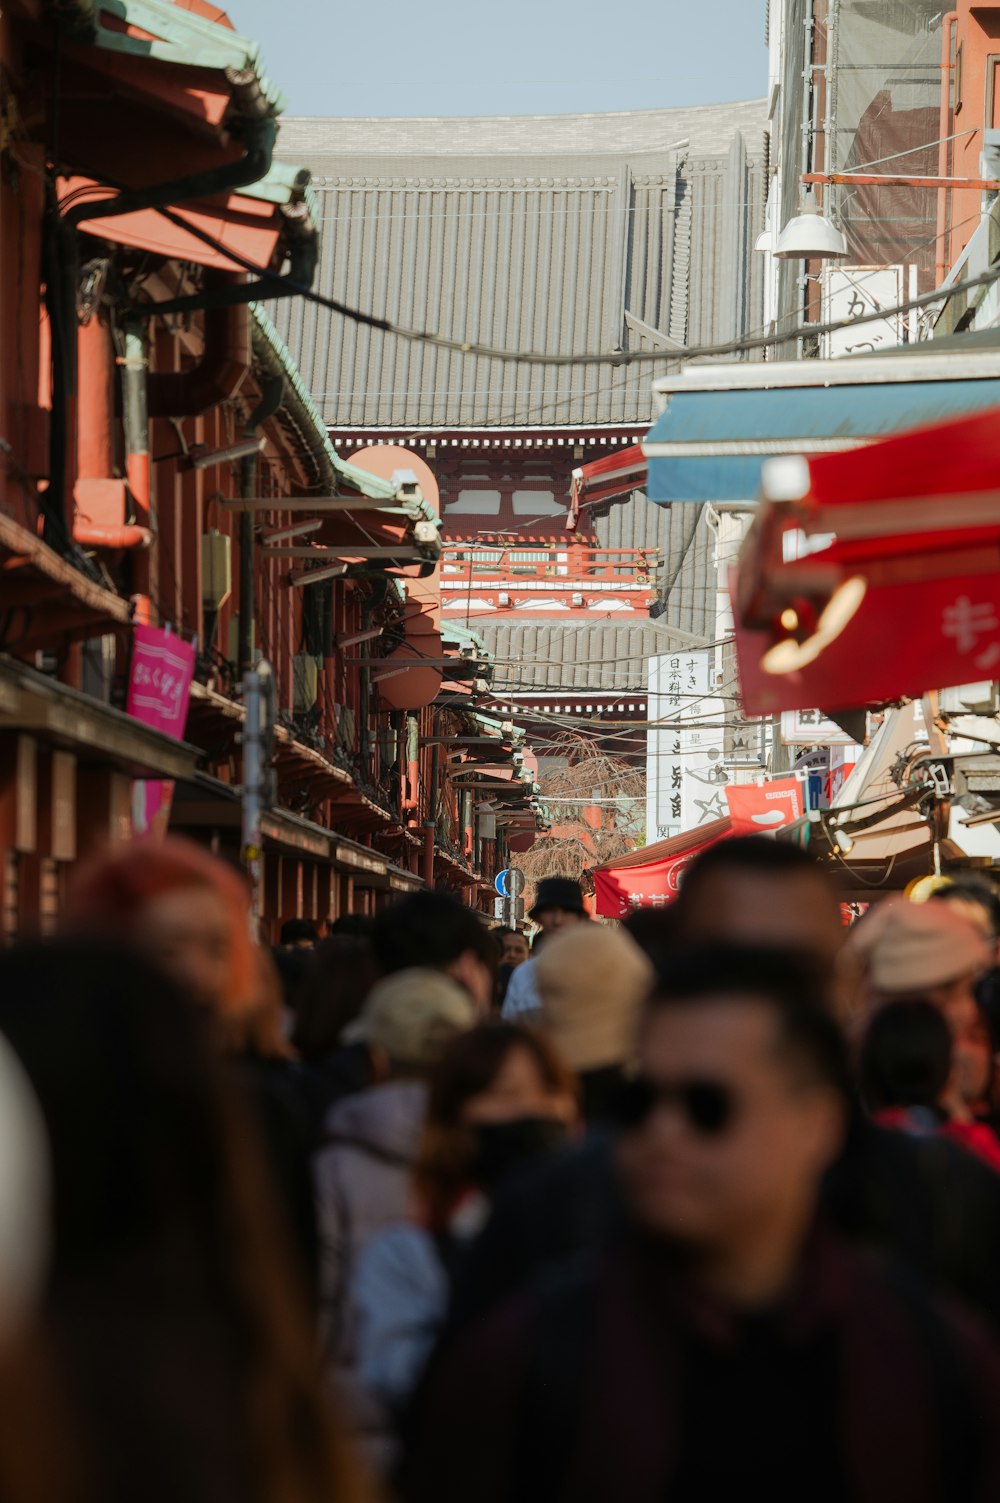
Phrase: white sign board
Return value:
(685, 779)
(811, 728)
(852, 292)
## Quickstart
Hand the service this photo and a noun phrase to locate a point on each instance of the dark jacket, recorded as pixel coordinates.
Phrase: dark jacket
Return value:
(621, 1382)
(926, 1202)
(275, 1091)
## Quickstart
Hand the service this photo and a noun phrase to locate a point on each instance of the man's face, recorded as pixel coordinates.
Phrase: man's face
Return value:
(780, 910)
(514, 950)
(552, 919)
(713, 1187)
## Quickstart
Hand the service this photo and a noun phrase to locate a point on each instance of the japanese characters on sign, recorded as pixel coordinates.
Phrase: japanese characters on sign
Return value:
(159, 688)
(811, 728)
(684, 748)
(905, 639)
(761, 808)
(852, 292)
(620, 891)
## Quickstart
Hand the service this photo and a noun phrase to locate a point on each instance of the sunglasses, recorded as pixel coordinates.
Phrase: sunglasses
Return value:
(707, 1106)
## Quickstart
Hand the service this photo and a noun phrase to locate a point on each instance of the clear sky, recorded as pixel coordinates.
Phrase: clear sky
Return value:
(514, 57)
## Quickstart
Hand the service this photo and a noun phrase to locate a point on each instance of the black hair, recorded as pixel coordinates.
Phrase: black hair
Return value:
(973, 890)
(292, 967)
(120, 1064)
(429, 929)
(755, 855)
(293, 931)
(340, 973)
(794, 985)
(351, 926)
(655, 932)
(170, 1297)
(906, 1055)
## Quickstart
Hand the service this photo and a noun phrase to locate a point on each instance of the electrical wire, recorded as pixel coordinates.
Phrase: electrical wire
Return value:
(539, 357)
(911, 150)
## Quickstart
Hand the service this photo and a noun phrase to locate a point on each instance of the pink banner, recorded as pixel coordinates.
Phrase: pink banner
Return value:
(159, 689)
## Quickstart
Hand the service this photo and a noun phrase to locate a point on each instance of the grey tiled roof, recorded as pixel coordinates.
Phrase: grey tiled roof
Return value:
(708, 128)
(606, 657)
(564, 234)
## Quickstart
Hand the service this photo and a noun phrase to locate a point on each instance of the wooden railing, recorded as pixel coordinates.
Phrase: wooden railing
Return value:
(573, 563)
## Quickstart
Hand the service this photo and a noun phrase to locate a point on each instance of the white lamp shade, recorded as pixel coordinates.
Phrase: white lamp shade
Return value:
(810, 237)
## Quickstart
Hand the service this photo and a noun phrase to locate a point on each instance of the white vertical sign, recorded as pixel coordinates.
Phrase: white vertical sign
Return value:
(703, 774)
(684, 746)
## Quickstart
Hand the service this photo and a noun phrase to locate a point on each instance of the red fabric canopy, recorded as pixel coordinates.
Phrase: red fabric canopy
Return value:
(603, 479)
(651, 877)
(905, 598)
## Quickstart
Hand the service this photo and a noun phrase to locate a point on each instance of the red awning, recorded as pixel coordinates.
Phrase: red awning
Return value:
(902, 594)
(651, 877)
(603, 479)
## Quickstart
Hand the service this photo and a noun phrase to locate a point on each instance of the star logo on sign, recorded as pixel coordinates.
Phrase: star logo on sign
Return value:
(711, 808)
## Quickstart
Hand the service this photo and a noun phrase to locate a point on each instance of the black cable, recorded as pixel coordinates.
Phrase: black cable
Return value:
(288, 286)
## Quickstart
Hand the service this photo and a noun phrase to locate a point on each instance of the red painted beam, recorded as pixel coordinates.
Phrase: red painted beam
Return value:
(875, 180)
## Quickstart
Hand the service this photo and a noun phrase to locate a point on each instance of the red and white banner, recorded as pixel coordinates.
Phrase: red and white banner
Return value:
(903, 640)
(159, 689)
(633, 882)
(759, 809)
(900, 591)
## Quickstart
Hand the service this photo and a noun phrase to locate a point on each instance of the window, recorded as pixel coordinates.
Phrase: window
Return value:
(476, 503)
(538, 504)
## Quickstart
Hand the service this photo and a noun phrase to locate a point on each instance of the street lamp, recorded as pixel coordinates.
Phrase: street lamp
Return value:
(810, 236)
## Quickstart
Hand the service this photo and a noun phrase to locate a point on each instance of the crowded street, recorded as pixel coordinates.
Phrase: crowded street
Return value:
(499, 753)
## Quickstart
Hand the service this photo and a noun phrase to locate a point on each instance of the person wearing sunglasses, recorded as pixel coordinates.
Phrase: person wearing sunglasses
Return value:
(727, 1344)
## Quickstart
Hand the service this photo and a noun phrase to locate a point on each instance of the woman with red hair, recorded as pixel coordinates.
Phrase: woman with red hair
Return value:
(183, 908)
(188, 913)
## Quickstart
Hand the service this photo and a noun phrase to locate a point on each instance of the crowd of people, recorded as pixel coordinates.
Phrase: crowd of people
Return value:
(701, 1205)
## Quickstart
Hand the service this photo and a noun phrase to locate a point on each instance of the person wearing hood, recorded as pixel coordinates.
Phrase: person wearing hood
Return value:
(501, 1099)
(362, 1172)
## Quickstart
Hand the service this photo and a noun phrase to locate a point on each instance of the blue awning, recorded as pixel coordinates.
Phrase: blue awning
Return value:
(719, 423)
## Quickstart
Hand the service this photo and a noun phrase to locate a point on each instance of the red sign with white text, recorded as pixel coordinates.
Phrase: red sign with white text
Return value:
(903, 640)
(759, 809)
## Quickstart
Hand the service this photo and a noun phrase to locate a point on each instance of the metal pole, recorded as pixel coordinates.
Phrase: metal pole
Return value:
(248, 478)
(135, 417)
(271, 397)
(257, 702)
(430, 824)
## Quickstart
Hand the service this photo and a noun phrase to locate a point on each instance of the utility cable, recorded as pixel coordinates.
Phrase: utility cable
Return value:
(538, 357)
